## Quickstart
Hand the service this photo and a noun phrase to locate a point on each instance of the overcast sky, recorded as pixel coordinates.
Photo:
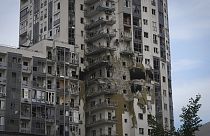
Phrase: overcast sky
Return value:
(190, 47)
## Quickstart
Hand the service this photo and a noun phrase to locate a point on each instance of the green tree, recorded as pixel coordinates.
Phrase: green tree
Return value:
(157, 128)
(189, 117)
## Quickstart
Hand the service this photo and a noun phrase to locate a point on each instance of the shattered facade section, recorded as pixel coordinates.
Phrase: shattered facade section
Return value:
(121, 80)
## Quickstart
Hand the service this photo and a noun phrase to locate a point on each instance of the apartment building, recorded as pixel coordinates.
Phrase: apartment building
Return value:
(40, 89)
(124, 65)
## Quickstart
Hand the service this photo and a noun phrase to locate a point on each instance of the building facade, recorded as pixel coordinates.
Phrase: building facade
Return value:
(110, 68)
(40, 89)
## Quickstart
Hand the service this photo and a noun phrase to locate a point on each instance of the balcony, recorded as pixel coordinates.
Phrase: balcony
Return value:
(40, 72)
(74, 92)
(25, 116)
(104, 105)
(98, 50)
(99, 23)
(100, 8)
(25, 83)
(3, 65)
(2, 94)
(127, 22)
(56, 22)
(101, 92)
(74, 63)
(2, 127)
(98, 63)
(25, 130)
(50, 118)
(101, 122)
(26, 100)
(26, 69)
(3, 80)
(126, 36)
(73, 78)
(23, 30)
(2, 112)
(89, 2)
(127, 52)
(38, 85)
(98, 35)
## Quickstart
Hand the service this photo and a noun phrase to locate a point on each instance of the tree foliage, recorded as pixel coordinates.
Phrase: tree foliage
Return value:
(157, 128)
(189, 117)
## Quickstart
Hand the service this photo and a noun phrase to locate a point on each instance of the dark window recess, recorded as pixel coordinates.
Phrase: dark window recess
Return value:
(157, 76)
(156, 63)
(58, 6)
(138, 47)
(82, 60)
(81, 7)
(34, 68)
(136, 21)
(141, 116)
(137, 34)
(71, 36)
(124, 63)
(137, 73)
(146, 35)
(14, 75)
(136, 88)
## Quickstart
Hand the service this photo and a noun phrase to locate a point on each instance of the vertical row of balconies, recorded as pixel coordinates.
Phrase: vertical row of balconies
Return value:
(100, 33)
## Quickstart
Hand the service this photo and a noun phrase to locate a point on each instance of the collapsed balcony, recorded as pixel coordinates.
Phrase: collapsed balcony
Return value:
(97, 50)
(100, 22)
(94, 36)
(102, 7)
(101, 122)
(103, 105)
(102, 90)
(127, 52)
(126, 36)
(98, 63)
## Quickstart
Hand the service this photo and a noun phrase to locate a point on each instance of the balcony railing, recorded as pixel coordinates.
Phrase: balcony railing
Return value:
(127, 51)
(3, 80)
(101, 122)
(25, 130)
(2, 127)
(25, 83)
(98, 35)
(127, 36)
(98, 50)
(100, 22)
(26, 69)
(25, 115)
(100, 8)
(89, 2)
(3, 65)
(98, 63)
(104, 105)
(101, 92)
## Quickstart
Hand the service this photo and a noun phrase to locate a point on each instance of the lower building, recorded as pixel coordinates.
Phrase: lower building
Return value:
(39, 90)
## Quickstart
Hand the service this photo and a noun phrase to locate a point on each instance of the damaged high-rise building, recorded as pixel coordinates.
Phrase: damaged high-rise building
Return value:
(109, 62)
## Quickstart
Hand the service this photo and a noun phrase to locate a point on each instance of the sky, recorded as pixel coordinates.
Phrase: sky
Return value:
(189, 39)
